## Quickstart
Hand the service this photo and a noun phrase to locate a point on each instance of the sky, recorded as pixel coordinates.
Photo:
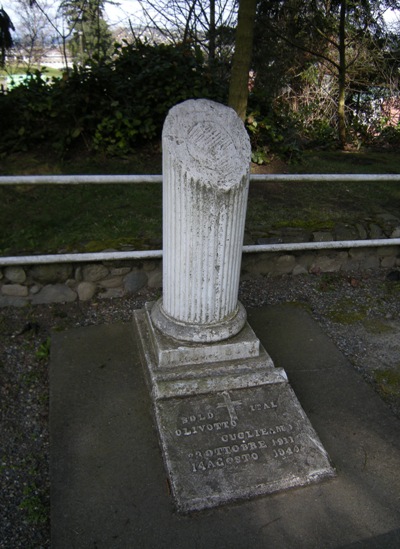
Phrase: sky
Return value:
(115, 13)
(126, 9)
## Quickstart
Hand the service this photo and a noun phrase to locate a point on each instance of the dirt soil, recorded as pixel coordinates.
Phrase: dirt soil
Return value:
(360, 312)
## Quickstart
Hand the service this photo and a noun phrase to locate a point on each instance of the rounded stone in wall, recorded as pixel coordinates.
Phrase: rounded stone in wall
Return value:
(86, 290)
(285, 264)
(149, 265)
(370, 262)
(15, 274)
(385, 251)
(16, 290)
(95, 272)
(155, 279)
(299, 270)
(111, 282)
(119, 271)
(134, 281)
(388, 262)
(51, 273)
(54, 293)
(327, 264)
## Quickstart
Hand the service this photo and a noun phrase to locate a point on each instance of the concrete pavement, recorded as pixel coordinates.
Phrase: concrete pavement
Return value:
(108, 484)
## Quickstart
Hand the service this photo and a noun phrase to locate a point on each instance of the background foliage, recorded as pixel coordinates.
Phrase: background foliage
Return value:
(110, 107)
(324, 75)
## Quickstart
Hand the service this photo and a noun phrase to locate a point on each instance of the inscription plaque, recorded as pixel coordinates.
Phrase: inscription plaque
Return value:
(237, 444)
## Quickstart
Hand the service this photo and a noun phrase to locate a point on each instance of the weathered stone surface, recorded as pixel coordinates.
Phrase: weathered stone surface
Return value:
(225, 369)
(119, 271)
(111, 293)
(375, 231)
(150, 265)
(322, 236)
(172, 353)
(201, 332)
(206, 167)
(269, 240)
(294, 234)
(16, 290)
(389, 222)
(262, 264)
(344, 231)
(230, 425)
(351, 265)
(111, 282)
(95, 272)
(34, 289)
(327, 264)
(51, 273)
(86, 290)
(79, 273)
(134, 281)
(285, 264)
(299, 270)
(395, 233)
(13, 301)
(15, 274)
(385, 251)
(306, 260)
(54, 293)
(388, 262)
(238, 444)
(155, 279)
(362, 231)
(361, 253)
(370, 262)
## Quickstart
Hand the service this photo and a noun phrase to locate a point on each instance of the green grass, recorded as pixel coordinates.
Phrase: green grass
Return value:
(50, 219)
(364, 161)
(320, 205)
(79, 218)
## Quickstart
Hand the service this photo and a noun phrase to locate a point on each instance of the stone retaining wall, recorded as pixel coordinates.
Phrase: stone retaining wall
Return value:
(61, 283)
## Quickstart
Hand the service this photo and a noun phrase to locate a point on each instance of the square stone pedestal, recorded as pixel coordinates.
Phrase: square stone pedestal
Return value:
(230, 425)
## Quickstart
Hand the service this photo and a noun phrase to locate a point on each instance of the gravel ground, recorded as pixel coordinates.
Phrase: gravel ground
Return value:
(360, 312)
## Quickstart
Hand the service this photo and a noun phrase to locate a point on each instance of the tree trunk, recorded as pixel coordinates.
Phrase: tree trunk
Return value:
(342, 75)
(211, 36)
(239, 84)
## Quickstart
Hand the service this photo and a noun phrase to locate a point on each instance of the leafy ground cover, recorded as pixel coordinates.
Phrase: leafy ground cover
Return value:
(50, 219)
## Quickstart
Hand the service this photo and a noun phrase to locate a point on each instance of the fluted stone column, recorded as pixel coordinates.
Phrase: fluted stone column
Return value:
(206, 163)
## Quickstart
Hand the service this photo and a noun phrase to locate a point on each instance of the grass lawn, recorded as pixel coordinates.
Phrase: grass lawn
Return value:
(92, 218)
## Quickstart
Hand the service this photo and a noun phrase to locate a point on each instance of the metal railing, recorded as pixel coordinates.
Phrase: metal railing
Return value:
(151, 254)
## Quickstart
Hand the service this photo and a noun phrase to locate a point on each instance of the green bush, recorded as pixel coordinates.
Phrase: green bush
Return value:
(389, 137)
(273, 132)
(109, 107)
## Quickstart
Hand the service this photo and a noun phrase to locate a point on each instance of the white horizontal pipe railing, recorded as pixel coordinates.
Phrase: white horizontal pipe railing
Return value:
(132, 179)
(157, 254)
(78, 179)
(153, 254)
(78, 257)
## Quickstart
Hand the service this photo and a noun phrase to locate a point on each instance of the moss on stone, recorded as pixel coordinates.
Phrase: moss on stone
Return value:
(388, 381)
(377, 326)
(346, 311)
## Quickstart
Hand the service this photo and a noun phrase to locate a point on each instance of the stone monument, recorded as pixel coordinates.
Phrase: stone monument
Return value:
(230, 426)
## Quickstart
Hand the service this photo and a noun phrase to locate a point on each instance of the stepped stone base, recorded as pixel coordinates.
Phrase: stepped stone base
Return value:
(229, 428)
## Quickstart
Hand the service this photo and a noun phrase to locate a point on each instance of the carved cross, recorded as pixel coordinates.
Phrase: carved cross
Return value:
(230, 405)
